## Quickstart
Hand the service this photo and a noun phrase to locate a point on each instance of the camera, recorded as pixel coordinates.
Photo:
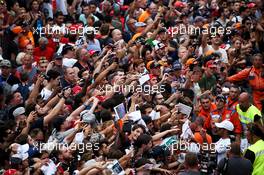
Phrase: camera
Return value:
(113, 58)
(45, 76)
(67, 87)
(111, 46)
(140, 40)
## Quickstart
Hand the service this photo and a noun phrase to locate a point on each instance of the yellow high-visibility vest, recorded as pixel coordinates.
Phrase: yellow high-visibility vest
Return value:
(258, 165)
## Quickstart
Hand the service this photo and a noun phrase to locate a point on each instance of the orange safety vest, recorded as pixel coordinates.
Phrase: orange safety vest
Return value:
(256, 82)
(226, 114)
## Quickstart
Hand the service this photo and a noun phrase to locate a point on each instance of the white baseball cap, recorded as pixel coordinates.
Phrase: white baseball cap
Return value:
(226, 124)
(19, 111)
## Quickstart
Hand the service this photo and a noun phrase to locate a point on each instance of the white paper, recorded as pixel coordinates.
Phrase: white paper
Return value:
(184, 109)
(186, 131)
(49, 169)
(135, 116)
(154, 115)
(143, 79)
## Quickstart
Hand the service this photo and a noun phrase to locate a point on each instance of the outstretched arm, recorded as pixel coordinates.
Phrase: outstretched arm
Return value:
(242, 75)
(164, 133)
(34, 93)
(48, 118)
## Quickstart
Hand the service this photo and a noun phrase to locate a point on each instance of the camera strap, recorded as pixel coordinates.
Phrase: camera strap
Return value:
(225, 167)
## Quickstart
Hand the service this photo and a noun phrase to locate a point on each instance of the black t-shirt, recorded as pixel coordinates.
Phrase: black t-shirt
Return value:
(250, 155)
(9, 48)
(39, 123)
(99, 16)
(105, 41)
(80, 67)
(235, 165)
(11, 79)
(65, 83)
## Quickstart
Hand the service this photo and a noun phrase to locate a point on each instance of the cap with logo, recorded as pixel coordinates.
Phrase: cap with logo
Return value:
(177, 65)
(5, 63)
(159, 45)
(57, 56)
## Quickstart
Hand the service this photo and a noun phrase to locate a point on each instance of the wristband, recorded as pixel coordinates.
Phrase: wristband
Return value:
(86, 106)
(63, 96)
(60, 96)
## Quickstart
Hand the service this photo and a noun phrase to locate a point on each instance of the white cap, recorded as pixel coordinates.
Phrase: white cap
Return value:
(225, 90)
(226, 124)
(140, 24)
(22, 151)
(19, 111)
(23, 148)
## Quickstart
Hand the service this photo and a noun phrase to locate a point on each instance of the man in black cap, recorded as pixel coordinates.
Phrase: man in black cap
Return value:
(178, 80)
(6, 76)
(56, 64)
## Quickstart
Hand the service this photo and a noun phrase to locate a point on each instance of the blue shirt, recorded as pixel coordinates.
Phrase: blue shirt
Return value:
(94, 45)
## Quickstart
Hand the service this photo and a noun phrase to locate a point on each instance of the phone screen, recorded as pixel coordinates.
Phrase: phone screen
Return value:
(117, 168)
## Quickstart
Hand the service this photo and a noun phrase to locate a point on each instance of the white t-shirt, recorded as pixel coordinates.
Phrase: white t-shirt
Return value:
(220, 51)
(221, 147)
(45, 93)
(237, 19)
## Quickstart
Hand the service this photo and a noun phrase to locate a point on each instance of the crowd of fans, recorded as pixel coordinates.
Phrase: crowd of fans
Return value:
(130, 87)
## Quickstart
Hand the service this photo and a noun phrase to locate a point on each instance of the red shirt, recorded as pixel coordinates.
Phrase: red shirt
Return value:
(48, 53)
(231, 104)
(52, 44)
(205, 114)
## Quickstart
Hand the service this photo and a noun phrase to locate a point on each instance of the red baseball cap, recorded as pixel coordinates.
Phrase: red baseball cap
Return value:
(179, 4)
(151, 76)
(251, 5)
(76, 89)
(92, 52)
(10, 172)
(210, 64)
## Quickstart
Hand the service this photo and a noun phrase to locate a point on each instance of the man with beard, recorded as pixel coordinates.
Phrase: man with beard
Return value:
(232, 99)
(143, 145)
(215, 47)
(65, 159)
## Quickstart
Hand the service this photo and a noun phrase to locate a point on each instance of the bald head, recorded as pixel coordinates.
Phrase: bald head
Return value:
(117, 35)
(244, 96)
(244, 101)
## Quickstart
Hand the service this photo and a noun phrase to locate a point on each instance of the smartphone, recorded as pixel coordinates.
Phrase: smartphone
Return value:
(116, 168)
